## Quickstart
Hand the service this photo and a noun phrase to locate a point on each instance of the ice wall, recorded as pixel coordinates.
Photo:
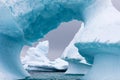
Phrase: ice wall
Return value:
(44, 15)
(99, 41)
(26, 21)
(11, 43)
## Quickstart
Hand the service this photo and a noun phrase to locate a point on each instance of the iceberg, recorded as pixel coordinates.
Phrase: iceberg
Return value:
(36, 59)
(99, 41)
(37, 53)
(23, 22)
(77, 63)
(11, 43)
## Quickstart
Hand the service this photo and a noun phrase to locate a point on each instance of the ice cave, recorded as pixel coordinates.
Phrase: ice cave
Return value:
(23, 22)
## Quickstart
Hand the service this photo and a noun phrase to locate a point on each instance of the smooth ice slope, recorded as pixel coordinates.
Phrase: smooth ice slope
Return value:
(77, 63)
(36, 59)
(11, 43)
(76, 67)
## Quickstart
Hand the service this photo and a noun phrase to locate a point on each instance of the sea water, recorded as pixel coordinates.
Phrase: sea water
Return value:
(54, 76)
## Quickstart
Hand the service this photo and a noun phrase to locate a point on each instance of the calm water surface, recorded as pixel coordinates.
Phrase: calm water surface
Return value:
(53, 76)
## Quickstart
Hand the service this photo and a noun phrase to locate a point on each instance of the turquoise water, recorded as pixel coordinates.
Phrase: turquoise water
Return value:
(53, 76)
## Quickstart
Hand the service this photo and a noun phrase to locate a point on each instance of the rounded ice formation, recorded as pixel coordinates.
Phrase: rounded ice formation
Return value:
(100, 41)
(36, 59)
(77, 63)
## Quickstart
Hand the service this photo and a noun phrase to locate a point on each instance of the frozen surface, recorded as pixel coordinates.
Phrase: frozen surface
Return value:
(36, 59)
(76, 67)
(99, 41)
(11, 42)
(44, 15)
(23, 22)
(26, 21)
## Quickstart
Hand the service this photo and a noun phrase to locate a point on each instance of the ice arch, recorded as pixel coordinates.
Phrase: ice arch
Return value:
(26, 21)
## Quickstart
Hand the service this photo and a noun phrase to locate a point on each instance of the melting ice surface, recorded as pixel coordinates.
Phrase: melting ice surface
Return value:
(36, 59)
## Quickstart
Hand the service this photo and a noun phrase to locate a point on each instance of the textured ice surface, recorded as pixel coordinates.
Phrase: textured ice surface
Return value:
(26, 21)
(106, 60)
(36, 59)
(37, 53)
(11, 42)
(99, 41)
(36, 18)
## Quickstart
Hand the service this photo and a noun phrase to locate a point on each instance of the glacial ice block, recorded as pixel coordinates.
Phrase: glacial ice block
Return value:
(32, 19)
(99, 42)
(11, 43)
(36, 59)
(77, 63)
(37, 54)
(105, 58)
(12, 70)
(26, 21)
